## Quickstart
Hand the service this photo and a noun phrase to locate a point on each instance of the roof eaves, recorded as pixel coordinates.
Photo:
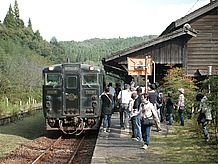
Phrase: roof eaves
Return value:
(164, 38)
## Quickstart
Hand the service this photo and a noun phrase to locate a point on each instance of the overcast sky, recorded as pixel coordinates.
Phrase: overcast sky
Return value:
(80, 20)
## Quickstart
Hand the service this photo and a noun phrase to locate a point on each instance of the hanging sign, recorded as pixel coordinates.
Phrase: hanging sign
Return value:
(138, 66)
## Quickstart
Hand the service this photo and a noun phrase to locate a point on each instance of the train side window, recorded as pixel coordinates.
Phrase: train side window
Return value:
(53, 79)
(72, 82)
(89, 79)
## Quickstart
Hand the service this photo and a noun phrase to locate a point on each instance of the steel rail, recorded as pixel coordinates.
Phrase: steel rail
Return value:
(75, 152)
(46, 153)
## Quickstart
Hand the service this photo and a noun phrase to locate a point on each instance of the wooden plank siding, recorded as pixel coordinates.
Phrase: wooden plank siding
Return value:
(202, 51)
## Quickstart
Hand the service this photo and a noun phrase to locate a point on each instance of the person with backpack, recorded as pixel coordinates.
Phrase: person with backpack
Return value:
(106, 109)
(152, 95)
(204, 115)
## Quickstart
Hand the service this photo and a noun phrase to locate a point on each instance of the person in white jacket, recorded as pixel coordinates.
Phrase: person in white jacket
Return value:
(125, 98)
(147, 110)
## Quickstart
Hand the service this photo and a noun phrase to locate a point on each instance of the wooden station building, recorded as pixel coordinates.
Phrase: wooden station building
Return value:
(190, 42)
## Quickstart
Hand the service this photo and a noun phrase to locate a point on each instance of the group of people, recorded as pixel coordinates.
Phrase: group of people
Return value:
(135, 105)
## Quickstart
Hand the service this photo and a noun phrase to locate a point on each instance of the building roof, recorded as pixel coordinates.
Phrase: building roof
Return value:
(190, 17)
(158, 40)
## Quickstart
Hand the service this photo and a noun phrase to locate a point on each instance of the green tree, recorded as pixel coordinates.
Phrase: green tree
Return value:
(19, 22)
(30, 25)
(9, 20)
(175, 79)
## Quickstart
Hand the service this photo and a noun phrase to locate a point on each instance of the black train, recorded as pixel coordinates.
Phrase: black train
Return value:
(71, 97)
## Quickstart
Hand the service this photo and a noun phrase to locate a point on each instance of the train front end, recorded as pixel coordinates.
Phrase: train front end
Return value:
(71, 97)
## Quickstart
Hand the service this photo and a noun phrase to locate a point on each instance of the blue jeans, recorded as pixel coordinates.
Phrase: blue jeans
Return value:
(170, 115)
(147, 132)
(123, 115)
(138, 128)
(106, 120)
(181, 116)
(158, 113)
(205, 131)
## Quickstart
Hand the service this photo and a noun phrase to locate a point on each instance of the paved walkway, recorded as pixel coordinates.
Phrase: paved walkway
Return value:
(118, 147)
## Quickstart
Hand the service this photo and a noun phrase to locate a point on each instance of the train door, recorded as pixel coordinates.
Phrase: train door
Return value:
(71, 97)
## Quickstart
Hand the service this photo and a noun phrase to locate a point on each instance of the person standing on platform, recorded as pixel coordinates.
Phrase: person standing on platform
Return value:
(181, 106)
(112, 93)
(136, 106)
(125, 98)
(106, 109)
(117, 90)
(152, 95)
(204, 115)
(170, 108)
(147, 111)
(160, 104)
(133, 114)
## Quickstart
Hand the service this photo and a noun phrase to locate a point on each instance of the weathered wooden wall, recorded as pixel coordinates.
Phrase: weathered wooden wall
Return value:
(202, 51)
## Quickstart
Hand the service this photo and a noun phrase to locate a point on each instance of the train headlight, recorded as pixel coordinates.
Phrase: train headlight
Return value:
(51, 68)
(48, 104)
(89, 111)
(91, 68)
(48, 97)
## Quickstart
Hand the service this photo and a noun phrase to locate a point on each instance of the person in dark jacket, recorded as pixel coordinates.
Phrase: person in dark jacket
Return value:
(106, 110)
(152, 95)
(170, 108)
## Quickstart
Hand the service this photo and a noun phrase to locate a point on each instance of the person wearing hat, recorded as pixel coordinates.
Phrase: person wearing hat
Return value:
(181, 106)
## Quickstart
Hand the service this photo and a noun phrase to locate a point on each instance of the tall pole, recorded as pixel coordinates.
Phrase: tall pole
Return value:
(209, 74)
(146, 75)
(154, 70)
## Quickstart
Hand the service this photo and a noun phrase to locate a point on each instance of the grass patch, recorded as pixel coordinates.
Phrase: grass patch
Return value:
(184, 145)
(15, 134)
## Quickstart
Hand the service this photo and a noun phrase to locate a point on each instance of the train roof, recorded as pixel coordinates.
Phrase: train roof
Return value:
(59, 67)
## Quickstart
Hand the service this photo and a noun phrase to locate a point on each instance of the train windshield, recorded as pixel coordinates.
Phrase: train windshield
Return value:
(90, 79)
(52, 79)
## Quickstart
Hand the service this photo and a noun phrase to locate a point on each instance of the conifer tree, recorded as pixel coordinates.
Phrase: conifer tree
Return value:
(19, 22)
(9, 20)
(30, 24)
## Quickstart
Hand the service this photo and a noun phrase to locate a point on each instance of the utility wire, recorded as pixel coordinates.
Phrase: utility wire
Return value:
(192, 7)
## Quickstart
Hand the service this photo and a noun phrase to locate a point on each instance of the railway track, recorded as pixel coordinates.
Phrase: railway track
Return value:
(68, 149)
(63, 150)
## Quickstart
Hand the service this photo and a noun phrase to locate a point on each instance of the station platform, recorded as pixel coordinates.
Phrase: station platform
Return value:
(117, 146)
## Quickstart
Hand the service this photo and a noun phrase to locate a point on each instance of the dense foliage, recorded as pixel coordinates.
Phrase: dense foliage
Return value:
(176, 79)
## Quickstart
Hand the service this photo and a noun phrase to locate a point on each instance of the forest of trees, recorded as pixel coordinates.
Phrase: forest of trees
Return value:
(24, 53)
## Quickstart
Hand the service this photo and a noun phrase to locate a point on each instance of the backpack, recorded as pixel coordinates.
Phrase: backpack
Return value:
(160, 98)
(206, 108)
